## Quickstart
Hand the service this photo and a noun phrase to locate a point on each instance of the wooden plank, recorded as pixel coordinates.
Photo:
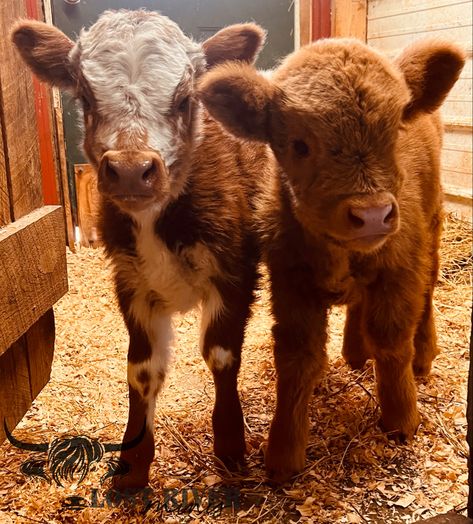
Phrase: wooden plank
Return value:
(321, 19)
(429, 19)
(458, 162)
(18, 104)
(63, 178)
(48, 11)
(15, 389)
(396, 43)
(40, 350)
(458, 138)
(34, 10)
(458, 205)
(349, 18)
(458, 180)
(305, 21)
(387, 8)
(87, 204)
(5, 211)
(453, 108)
(32, 270)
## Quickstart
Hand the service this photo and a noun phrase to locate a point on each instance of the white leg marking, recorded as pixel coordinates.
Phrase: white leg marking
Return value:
(147, 377)
(212, 307)
(219, 358)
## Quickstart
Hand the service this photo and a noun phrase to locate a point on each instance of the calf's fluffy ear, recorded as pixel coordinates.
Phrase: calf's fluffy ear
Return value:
(430, 68)
(240, 99)
(241, 42)
(45, 50)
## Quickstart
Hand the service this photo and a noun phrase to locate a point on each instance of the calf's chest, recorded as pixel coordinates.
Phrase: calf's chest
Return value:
(170, 281)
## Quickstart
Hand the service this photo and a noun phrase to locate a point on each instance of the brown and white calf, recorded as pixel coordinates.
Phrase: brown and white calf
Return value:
(177, 199)
(353, 216)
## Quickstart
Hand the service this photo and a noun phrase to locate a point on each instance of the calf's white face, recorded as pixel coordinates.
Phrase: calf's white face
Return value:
(138, 70)
(134, 73)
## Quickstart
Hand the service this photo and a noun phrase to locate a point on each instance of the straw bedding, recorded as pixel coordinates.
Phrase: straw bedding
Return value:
(353, 474)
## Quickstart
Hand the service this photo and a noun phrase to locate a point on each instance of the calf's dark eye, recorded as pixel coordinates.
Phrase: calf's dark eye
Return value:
(301, 148)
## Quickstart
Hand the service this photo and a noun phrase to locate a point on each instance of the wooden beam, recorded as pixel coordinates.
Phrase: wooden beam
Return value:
(87, 195)
(305, 22)
(32, 270)
(349, 18)
(15, 388)
(5, 211)
(40, 348)
(18, 108)
(63, 178)
(321, 19)
(25, 368)
(43, 119)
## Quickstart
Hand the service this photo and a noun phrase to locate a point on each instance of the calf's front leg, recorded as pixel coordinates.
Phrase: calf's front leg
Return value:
(299, 351)
(354, 348)
(224, 318)
(147, 364)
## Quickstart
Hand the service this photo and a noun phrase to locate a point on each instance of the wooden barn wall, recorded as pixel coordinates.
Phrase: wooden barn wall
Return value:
(391, 25)
(19, 118)
(32, 241)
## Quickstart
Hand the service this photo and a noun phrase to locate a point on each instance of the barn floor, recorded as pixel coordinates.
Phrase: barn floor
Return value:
(353, 473)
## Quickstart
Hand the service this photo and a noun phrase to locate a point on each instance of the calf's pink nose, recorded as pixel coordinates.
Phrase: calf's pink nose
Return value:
(131, 171)
(367, 221)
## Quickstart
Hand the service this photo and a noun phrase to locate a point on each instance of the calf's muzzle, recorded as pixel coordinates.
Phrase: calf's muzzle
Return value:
(131, 176)
(368, 219)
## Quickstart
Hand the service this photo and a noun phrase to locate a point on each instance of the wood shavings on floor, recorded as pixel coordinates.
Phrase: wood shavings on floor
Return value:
(353, 474)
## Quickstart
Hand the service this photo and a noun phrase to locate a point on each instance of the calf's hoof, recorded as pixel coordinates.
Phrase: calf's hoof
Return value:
(421, 369)
(231, 456)
(232, 465)
(356, 364)
(282, 466)
(400, 432)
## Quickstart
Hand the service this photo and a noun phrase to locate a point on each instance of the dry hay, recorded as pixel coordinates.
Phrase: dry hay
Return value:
(455, 252)
(353, 474)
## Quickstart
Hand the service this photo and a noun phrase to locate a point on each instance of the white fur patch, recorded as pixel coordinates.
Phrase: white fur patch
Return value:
(133, 62)
(212, 307)
(159, 330)
(179, 285)
(180, 281)
(219, 358)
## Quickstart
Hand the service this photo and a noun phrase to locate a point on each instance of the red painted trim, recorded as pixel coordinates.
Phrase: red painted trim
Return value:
(42, 105)
(321, 19)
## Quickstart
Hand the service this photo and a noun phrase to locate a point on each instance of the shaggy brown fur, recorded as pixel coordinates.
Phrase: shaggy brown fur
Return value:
(178, 233)
(352, 216)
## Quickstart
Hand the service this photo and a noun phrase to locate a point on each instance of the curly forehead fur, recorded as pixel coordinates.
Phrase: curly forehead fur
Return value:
(133, 61)
(344, 85)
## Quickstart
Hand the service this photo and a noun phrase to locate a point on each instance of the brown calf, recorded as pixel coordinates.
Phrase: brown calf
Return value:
(353, 216)
(177, 199)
